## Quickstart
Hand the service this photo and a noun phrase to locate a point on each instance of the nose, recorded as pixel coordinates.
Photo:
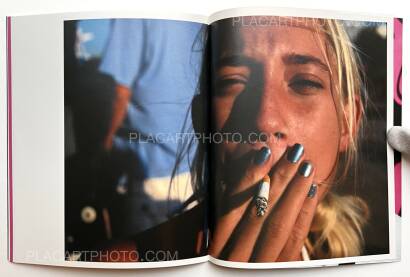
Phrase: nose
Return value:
(270, 118)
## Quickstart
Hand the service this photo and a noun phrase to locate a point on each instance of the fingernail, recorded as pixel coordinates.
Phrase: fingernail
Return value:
(305, 169)
(295, 153)
(312, 191)
(262, 156)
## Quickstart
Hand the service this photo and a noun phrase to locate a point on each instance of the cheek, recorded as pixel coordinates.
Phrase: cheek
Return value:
(321, 137)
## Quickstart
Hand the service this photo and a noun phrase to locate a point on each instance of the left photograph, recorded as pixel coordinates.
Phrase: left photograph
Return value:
(129, 147)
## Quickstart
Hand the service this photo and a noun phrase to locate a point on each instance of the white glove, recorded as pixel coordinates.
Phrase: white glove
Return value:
(399, 138)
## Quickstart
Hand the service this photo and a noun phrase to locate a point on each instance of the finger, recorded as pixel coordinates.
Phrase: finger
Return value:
(399, 138)
(280, 222)
(300, 231)
(242, 242)
(228, 218)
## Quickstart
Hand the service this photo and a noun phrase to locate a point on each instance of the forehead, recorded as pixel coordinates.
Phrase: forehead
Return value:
(264, 35)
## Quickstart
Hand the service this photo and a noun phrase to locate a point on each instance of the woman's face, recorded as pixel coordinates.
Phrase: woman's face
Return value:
(273, 82)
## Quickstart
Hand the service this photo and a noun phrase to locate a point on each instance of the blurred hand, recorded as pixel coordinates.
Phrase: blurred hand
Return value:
(399, 138)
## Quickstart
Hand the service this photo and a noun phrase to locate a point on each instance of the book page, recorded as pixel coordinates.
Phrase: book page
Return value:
(303, 176)
(102, 145)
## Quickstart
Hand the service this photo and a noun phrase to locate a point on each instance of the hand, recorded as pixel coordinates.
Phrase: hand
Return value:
(399, 138)
(119, 111)
(279, 235)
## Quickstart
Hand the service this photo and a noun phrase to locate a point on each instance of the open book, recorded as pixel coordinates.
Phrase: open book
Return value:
(253, 138)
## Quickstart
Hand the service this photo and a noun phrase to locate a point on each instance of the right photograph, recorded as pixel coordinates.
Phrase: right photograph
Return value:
(302, 174)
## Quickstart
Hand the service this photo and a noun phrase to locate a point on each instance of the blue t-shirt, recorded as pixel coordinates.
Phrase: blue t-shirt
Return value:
(160, 61)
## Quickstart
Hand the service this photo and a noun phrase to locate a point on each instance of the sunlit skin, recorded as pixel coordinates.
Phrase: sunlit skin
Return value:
(273, 80)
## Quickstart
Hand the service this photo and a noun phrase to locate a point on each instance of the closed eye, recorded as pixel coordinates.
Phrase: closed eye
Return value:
(224, 82)
(231, 84)
(305, 85)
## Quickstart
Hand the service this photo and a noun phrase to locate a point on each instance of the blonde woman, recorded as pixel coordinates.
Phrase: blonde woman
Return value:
(294, 85)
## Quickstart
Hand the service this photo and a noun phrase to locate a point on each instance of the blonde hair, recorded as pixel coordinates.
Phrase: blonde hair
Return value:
(336, 230)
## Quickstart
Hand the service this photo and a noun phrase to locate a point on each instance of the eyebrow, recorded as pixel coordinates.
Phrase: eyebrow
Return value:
(235, 60)
(301, 59)
(288, 59)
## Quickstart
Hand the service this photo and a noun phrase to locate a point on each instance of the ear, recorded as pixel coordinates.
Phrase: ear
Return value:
(357, 116)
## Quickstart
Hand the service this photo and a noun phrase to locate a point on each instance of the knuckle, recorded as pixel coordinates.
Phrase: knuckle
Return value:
(250, 177)
(304, 213)
(298, 235)
(276, 229)
(281, 175)
(299, 232)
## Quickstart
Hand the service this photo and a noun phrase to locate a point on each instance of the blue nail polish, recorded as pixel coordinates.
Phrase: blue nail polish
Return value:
(312, 191)
(262, 156)
(305, 169)
(295, 153)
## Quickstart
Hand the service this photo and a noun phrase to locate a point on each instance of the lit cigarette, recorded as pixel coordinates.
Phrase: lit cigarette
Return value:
(262, 197)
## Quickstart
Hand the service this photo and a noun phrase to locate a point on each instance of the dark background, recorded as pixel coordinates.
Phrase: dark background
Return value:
(371, 182)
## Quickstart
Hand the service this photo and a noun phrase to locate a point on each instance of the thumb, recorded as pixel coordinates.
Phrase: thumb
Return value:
(399, 138)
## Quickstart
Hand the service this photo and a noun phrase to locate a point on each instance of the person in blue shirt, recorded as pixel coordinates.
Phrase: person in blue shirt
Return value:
(156, 65)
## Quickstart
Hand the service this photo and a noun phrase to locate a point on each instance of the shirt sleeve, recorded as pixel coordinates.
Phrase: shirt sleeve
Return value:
(123, 56)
